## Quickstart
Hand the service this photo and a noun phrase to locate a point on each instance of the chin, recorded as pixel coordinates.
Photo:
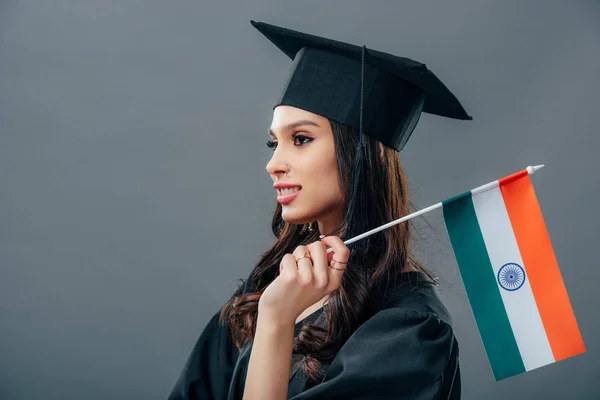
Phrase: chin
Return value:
(295, 218)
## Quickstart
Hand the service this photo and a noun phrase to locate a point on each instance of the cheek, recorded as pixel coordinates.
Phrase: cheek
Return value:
(324, 178)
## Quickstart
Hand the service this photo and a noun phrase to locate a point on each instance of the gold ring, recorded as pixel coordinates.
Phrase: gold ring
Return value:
(332, 267)
(306, 255)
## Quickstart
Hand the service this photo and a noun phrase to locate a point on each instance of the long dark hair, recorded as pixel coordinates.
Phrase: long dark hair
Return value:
(389, 251)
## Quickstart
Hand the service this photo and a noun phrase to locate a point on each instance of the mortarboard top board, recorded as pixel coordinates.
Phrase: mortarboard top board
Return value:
(326, 79)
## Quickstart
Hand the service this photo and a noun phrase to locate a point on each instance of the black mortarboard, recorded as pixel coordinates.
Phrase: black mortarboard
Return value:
(326, 79)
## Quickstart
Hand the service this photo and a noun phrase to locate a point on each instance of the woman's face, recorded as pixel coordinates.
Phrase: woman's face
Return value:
(302, 142)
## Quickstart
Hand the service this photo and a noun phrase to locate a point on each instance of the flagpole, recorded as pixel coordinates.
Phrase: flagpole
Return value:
(530, 171)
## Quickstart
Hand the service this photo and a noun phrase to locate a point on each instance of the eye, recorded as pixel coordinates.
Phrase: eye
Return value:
(295, 137)
(301, 137)
(271, 144)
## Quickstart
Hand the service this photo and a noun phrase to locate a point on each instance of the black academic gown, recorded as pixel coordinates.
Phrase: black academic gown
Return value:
(405, 350)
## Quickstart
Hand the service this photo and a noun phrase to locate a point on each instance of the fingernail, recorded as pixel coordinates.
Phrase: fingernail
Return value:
(321, 236)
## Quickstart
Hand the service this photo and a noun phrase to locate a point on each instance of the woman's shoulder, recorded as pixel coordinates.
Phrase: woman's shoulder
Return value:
(409, 320)
(413, 293)
(406, 348)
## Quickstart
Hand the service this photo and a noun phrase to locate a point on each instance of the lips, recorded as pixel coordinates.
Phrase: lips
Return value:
(288, 198)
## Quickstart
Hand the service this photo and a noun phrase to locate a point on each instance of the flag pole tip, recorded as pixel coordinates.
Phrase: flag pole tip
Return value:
(533, 169)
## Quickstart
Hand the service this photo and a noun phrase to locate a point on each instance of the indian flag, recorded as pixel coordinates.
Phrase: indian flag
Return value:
(511, 276)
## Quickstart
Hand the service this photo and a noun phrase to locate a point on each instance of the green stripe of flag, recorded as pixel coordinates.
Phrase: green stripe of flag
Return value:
(480, 283)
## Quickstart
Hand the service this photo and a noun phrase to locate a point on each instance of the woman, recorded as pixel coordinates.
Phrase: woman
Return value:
(361, 321)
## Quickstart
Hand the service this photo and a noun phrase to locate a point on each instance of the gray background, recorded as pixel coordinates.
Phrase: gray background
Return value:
(133, 182)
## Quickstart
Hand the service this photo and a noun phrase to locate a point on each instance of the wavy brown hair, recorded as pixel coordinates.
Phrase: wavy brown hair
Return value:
(388, 253)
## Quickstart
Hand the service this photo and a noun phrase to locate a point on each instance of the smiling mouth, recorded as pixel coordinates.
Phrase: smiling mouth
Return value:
(286, 191)
(284, 199)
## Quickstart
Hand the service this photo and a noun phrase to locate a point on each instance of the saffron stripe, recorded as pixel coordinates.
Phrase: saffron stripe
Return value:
(544, 275)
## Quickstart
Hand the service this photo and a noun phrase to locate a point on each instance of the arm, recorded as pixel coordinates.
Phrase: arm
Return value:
(270, 361)
(304, 279)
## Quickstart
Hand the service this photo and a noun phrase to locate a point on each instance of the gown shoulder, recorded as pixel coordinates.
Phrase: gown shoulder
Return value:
(209, 367)
(405, 350)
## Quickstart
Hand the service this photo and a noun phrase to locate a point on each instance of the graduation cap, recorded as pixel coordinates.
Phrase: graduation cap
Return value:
(327, 77)
(375, 92)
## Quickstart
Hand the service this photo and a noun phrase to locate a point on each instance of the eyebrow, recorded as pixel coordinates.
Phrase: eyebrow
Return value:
(295, 125)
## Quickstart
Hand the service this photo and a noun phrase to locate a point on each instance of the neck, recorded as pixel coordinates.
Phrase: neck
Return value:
(329, 224)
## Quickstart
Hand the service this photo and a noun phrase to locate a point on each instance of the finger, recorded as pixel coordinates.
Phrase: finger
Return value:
(340, 250)
(287, 267)
(330, 255)
(335, 272)
(304, 263)
(318, 253)
(338, 261)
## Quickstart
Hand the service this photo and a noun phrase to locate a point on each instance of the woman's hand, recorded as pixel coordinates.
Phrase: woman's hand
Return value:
(305, 277)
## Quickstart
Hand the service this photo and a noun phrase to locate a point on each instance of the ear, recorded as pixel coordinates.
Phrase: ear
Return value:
(380, 150)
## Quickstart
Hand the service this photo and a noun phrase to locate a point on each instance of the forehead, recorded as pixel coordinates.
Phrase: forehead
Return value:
(284, 116)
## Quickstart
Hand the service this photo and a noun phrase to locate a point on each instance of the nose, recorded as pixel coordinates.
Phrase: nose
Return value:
(275, 166)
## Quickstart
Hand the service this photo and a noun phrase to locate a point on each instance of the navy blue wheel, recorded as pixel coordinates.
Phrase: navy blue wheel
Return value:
(511, 276)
